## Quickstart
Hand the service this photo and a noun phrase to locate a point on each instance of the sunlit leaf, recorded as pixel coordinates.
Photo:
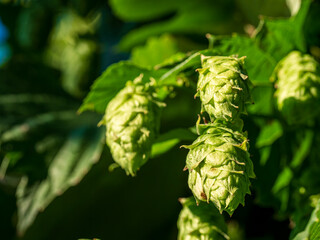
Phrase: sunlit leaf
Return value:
(256, 58)
(278, 37)
(110, 83)
(154, 52)
(114, 79)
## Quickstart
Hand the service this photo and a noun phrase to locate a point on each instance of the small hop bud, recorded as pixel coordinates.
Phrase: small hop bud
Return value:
(201, 221)
(132, 119)
(223, 87)
(220, 167)
(297, 79)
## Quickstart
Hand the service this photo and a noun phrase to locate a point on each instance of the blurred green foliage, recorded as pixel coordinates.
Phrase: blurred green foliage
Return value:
(54, 178)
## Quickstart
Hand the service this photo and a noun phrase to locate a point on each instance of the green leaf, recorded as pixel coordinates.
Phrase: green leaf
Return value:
(281, 188)
(264, 155)
(312, 230)
(234, 45)
(269, 134)
(303, 150)
(155, 51)
(163, 147)
(80, 151)
(263, 101)
(189, 17)
(253, 9)
(256, 59)
(168, 140)
(278, 37)
(72, 50)
(192, 61)
(141, 10)
(283, 180)
(9, 159)
(111, 82)
(172, 60)
(312, 29)
(19, 131)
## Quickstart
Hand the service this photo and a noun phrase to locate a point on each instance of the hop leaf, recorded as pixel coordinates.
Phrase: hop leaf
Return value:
(223, 87)
(200, 222)
(220, 167)
(298, 88)
(132, 119)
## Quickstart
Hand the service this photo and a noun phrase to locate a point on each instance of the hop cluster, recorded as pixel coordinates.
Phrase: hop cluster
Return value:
(132, 119)
(200, 222)
(298, 88)
(223, 87)
(218, 160)
(220, 167)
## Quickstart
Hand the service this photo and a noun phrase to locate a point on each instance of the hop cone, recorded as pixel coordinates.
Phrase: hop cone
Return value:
(220, 167)
(298, 87)
(223, 87)
(201, 222)
(132, 119)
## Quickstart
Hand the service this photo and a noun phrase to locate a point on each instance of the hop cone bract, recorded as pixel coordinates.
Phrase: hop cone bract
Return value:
(298, 87)
(132, 119)
(223, 87)
(220, 167)
(200, 222)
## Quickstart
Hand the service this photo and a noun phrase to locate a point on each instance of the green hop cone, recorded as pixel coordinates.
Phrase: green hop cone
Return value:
(223, 87)
(200, 222)
(297, 79)
(132, 119)
(220, 167)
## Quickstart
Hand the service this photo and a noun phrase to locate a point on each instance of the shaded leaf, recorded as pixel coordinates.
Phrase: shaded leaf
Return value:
(312, 230)
(19, 131)
(263, 101)
(190, 16)
(303, 150)
(253, 9)
(80, 151)
(312, 29)
(141, 10)
(269, 134)
(168, 140)
(264, 155)
(283, 180)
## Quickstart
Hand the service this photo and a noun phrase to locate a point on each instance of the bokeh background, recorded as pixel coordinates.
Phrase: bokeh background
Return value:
(55, 176)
